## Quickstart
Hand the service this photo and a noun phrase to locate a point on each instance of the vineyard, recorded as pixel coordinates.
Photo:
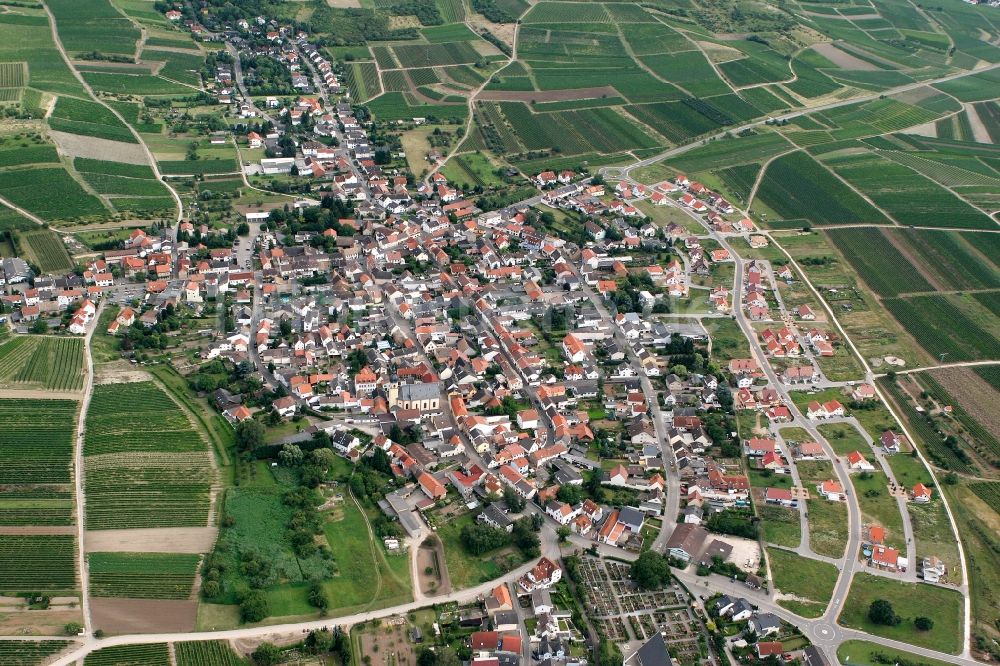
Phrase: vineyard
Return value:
(942, 326)
(883, 268)
(36, 441)
(42, 362)
(137, 417)
(151, 654)
(36, 564)
(989, 492)
(206, 653)
(142, 575)
(35, 505)
(136, 490)
(922, 425)
(12, 74)
(47, 248)
(28, 653)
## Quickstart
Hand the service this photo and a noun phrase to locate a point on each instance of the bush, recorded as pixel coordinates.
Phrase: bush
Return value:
(881, 612)
(923, 623)
(253, 608)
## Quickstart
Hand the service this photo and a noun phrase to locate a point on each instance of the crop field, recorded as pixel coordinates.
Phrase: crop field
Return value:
(36, 505)
(362, 79)
(93, 25)
(85, 165)
(925, 432)
(950, 174)
(137, 416)
(107, 184)
(989, 492)
(142, 575)
(943, 326)
(975, 88)
(989, 114)
(567, 12)
(762, 65)
(180, 67)
(434, 55)
(909, 197)
(144, 205)
(796, 187)
(36, 564)
(739, 180)
(36, 442)
(677, 121)
(150, 654)
(31, 362)
(197, 167)
(953, 261)
(12, 74)
(78, 116)
(146, 466)
(23, 189)
(394, 106)
(883, 268)
(725, 153)
(47, 249)
(29, 39)
(38, 154)
(206, 653)
(29, 653)
(973, 411)
(147, 490)
(134, 84)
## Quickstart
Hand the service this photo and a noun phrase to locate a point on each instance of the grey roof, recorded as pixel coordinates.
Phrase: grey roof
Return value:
(420, 391)
(505, 617)
(631, 516)
(765, 621)
(652, 653)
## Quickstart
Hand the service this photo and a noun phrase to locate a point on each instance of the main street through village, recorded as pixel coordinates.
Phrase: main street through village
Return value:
(823, 631)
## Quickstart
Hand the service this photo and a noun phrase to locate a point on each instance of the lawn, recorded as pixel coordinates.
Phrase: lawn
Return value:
(866, 653)
(909, 600)
(878, 506)
(827, 527)
(844, 438)
(781, 526)
(804, 578)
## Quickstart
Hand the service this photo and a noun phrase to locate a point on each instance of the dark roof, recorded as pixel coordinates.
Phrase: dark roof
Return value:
(653, 652)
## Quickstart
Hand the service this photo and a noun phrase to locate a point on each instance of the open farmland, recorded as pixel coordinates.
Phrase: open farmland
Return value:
(206, 653)
(87, 26)
(29, 653)
(36, 505)
(36, 564)
(79, 116)
(907, 196)
(796, 187)
(32, 362)
(151, 654)
(949, 326)
(23, 189)
(47, 249)
(884, 268)
(36, 441)
(146, 466)
(951, 258)
(142, 575)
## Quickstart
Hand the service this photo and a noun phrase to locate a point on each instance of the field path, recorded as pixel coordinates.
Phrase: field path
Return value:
(81, 431)
(760, 176)
(90, 91)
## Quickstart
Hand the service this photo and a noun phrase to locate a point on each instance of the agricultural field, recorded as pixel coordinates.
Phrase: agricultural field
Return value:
(37, 564)
(87, 26)
(21, 187)
(29, 653)
(142, 575)
(141, 446)
(36, 362)
(797, 187)
(79, 116)
(36, 442)
(951, 258)
(151, 654)
(883, 268)
(949, 326)
(206, 653)
(47, 250)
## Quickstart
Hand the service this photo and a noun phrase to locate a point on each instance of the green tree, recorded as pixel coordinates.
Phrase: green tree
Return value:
(267, 654)
(881, 612)
(249, 435)
(513, 501)
(253, 608)
(651, 571)
(563, 532)
(291, 455)
(923, 623)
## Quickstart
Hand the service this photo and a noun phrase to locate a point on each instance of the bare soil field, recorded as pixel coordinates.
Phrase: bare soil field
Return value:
(37, 529)
(431, 554)
(38, 622)
(979, 131)
(842, 59)
(40, 395)
(546, 95)
(975, 396)
(503, 31)
(153, 540)
(138, 616)
(343, 4)
(98, 149)
(119, 372)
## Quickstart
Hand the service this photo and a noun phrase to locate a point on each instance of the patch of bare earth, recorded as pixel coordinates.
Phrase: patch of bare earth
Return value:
(927, 129)
(546, 95)
(979, 131)
(502, 31)
(842, 59)
(36, 394)
(152, 540)
(974, 395)
(119, 372)
(39, 530)
(38, 622)
(431, 555)
(98, 149)
(140, 616)
(343, 4)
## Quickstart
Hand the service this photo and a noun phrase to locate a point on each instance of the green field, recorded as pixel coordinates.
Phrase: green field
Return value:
(866, 653)
(47, 250)
(953, 325)
(93, 25)
(79, 116)
(909, 600)
(804, 578)
(146, 466)
(36, 442)
(142, 575)
(37, 564)
(206, 653)
(29, 653)
(151, 654)
(33, 362)
(883, 267)
(23, 188)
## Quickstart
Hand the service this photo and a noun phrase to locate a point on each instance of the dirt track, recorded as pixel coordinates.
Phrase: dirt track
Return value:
(546, 95)
(138, 616)
(154, 540)
(38, 529)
